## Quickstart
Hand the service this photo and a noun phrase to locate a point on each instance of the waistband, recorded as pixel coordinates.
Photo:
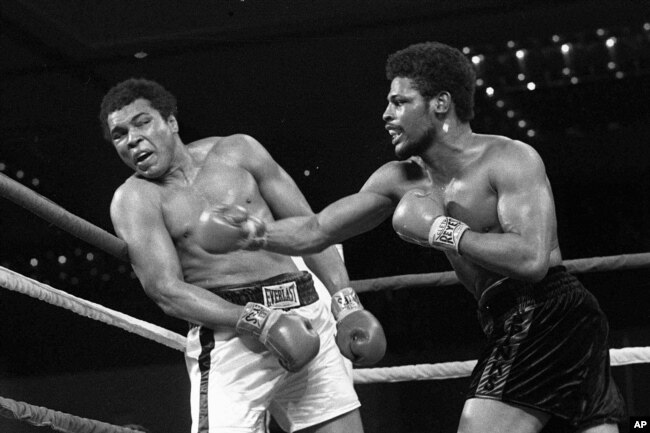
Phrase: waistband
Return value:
(283, 292)
(508, 293)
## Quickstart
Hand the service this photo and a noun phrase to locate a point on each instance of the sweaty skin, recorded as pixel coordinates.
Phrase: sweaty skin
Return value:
(156, 209)
(495, 185)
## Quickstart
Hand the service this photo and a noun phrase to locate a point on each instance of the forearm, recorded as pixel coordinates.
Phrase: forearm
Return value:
(508, 254)
(297, 236)
(328, 266)
(193, 304)
(341, 220)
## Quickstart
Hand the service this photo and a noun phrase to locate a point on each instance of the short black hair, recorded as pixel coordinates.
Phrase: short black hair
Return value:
(435, 67)
(124, 93)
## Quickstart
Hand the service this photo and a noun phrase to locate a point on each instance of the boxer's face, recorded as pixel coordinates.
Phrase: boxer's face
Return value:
(408, 118)
(143, 139)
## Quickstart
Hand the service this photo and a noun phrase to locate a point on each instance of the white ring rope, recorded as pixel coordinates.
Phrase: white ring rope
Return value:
(59, 421)
(445, 370)
(458, 369)
(576, 266)
(40, 416)
(19, 283)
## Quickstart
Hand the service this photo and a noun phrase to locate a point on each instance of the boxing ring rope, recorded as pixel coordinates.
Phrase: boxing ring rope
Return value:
(576, 266)
(55, 214)
(447, 370)
(43, 417)
(105, 241)
(18, 283)
(460, 369)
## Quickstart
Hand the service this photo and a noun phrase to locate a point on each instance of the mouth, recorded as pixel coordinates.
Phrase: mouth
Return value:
(140, 157)
(395, 133)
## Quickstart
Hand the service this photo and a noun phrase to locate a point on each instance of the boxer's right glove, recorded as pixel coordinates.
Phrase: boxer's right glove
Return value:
(225, 228)
(359, 335)
(288, 336)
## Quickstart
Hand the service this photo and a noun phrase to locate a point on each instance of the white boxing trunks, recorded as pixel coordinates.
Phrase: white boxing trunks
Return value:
(235, 380)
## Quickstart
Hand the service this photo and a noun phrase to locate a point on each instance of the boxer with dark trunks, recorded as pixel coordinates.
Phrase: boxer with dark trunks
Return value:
(484, 200)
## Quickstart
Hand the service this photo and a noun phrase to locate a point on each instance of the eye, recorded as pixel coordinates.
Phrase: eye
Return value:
(142, 122)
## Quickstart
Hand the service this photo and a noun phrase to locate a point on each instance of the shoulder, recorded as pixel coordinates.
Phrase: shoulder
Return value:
(502, 147)
(393, 177)
(238, 147)
(226, 144)
(401, 170)
(133, 193)
(512, 160)
(506, 153)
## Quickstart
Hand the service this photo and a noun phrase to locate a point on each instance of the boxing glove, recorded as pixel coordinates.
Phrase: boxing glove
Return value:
(224, 228)
(419, 218)
(288, 336)
(359, 335)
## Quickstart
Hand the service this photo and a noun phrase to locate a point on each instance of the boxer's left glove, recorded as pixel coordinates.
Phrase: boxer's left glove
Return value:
(288, 336)
(359, 335)
(419, 218)
(224, 228)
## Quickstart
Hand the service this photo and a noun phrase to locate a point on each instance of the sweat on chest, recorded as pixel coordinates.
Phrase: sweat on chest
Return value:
(476, 208)
(182, 208)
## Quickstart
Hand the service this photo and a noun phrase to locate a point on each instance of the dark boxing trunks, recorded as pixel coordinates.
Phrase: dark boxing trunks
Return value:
(547, 349)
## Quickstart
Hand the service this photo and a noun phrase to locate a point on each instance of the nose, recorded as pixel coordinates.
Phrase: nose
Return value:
(388, 114)
(133, 140)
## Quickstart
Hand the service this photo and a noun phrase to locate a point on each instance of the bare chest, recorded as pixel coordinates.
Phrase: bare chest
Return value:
(472, 200)
(182, 205)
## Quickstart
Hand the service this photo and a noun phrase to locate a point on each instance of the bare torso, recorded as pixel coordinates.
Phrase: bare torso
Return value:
(220, 178)
(469, 197)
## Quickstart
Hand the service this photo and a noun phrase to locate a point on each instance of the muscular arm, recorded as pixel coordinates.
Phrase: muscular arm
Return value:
(138, 220)
(526, 213)
(286, 201)
(341, 220)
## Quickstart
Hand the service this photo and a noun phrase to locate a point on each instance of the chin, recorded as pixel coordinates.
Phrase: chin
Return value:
(403, 152)
(400, 155)
(149, 173)
(410, 148)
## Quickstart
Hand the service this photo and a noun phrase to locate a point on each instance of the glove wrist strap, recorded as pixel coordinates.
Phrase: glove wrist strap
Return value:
(344, 302)
(256, 234)
(254, 319)
(445, 233)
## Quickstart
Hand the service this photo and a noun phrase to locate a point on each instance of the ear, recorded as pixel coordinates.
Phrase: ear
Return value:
(441, 102)
(173, 123)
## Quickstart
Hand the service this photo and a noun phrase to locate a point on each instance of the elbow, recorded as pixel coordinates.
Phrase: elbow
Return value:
(168, 308)
(314, 248)
(533, 268)
(318, 239)
(162, 293)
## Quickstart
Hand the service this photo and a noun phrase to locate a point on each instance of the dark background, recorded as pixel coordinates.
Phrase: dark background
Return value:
(307, 80)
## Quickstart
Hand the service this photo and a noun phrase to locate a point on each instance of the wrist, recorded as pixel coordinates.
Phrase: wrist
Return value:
(256, 230)
(254, 319)
(446, 232)
(344, 302)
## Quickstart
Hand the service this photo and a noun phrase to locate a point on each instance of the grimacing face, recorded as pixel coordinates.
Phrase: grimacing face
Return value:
(408, 118)
(143, 139)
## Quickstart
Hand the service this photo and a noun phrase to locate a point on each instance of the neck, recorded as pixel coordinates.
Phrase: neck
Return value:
(452, 141)
(183, 168)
